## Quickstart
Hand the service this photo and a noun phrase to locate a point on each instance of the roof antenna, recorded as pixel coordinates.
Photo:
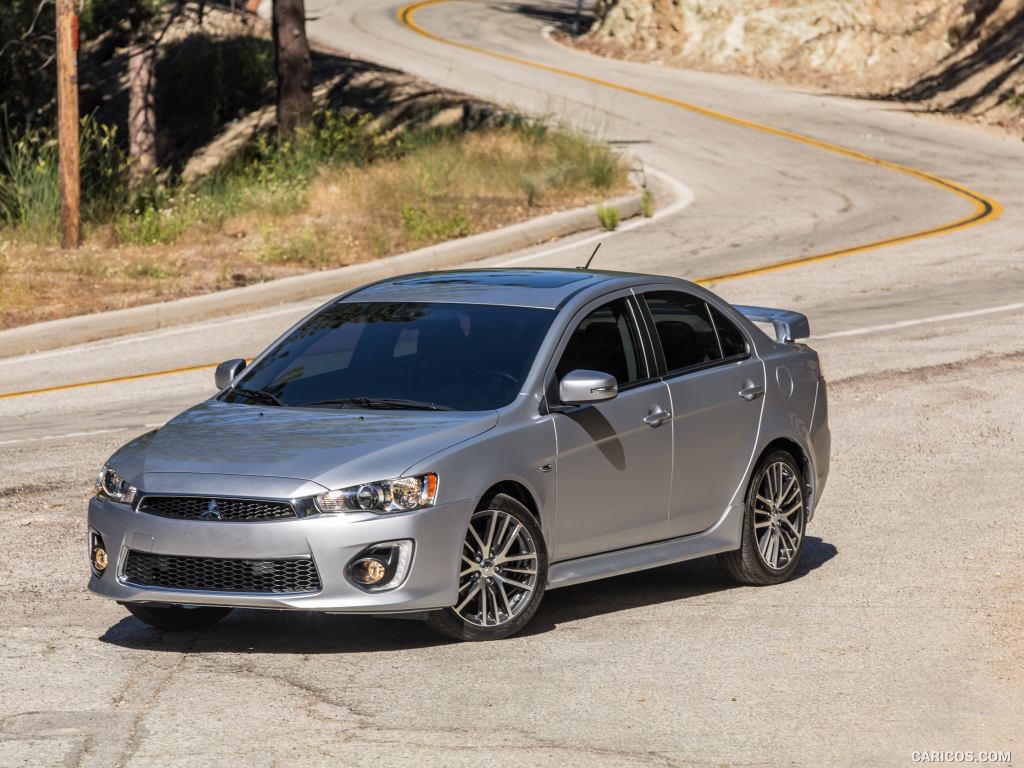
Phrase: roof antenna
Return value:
(587, 265)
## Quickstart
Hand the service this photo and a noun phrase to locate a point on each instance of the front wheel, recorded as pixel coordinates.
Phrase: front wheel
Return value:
(174, 618)
(773, 524)
(502, 574)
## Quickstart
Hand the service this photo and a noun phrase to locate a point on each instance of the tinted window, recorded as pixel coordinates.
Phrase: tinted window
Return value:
(684, 328)
(461, 356)
(605, 341)
(730, 337)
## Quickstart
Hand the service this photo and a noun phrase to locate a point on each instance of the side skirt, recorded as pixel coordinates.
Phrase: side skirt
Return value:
(723, 536)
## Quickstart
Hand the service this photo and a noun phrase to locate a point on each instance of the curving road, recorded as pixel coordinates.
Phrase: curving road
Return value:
(904, 630)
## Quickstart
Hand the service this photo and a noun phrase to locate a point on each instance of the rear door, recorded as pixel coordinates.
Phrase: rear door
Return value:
(613, 467)
(717, 390)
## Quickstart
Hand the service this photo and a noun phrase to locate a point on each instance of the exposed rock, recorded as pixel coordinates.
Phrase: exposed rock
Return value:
(962, 56)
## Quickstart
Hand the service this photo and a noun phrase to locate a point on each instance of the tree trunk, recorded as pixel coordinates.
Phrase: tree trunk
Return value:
(294, 67)
(141, 110)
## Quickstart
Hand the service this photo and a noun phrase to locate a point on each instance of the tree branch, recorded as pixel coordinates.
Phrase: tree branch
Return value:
(31, 27)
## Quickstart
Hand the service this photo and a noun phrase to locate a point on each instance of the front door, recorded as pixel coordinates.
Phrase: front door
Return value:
(614, 460)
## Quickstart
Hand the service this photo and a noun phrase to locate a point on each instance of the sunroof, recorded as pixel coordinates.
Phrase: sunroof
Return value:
(501, 277)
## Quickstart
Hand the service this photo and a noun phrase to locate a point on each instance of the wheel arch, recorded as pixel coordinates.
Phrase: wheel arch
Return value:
(792, 447)
(517, 491)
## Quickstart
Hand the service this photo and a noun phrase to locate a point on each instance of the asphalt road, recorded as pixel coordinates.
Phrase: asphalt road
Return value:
(903, 631)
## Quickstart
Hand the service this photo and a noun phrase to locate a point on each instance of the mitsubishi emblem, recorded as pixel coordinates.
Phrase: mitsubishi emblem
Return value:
(211, 510)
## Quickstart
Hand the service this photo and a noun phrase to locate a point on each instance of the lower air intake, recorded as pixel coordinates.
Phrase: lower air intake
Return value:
(213, 574)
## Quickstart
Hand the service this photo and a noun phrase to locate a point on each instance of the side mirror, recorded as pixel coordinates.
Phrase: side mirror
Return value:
(227, 372)
(582, 386)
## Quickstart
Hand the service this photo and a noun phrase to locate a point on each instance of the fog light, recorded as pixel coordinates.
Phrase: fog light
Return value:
(381, 566)
(98, 558)
(369, 571)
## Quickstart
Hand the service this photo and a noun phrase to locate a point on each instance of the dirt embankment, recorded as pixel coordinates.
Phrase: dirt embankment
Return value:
(391, 163)
(964, 57)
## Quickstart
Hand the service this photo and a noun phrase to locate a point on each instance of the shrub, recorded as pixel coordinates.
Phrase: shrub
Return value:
(30, 185)
(535, 187)
(104, 171)
(586, 161)
(647, 204)
(152, 224)
(30, 178)
(608, 216)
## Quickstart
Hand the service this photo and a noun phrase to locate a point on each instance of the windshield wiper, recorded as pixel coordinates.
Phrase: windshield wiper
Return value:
(260, 395)
(383, 403)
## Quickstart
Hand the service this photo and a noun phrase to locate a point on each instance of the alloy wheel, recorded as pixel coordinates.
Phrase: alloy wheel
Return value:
(499, 569)
(778, 516)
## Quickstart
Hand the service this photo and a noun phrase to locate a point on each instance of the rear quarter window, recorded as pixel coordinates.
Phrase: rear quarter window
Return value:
(733, 342)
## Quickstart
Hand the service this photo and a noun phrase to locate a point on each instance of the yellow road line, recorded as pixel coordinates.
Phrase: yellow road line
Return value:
(985, 208)
(113, 380)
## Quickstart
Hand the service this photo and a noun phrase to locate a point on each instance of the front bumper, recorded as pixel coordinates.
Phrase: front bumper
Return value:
(330, 540)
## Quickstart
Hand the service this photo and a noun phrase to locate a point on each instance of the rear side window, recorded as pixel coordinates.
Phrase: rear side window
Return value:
(684, 328)
(604, 341)
(733, 343)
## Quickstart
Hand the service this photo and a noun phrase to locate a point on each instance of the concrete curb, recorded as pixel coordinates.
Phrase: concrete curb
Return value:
(85, 328)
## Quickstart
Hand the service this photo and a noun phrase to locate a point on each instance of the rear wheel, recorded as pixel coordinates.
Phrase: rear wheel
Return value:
(175, 618)
(773, 524)
(502, 573)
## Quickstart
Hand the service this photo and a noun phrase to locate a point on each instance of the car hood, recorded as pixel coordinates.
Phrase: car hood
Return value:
(331, 447)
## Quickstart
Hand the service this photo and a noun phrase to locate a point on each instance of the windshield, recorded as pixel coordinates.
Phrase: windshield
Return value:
(465, 357)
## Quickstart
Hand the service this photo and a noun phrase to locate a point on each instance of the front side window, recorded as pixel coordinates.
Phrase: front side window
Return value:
(605, 341)
(453, 356)
(684, 328)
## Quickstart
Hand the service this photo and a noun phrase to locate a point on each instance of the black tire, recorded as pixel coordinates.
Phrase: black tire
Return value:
(176, 618)
(449, 623)
(747, 564)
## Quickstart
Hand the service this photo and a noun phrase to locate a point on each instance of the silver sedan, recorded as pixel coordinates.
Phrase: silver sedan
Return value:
(450, 445)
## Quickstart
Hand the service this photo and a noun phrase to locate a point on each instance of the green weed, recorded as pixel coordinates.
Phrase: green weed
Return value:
(608, 216)
(305, 247)
(647, 204)
(30, 180)
(422, 225)
(148, 269)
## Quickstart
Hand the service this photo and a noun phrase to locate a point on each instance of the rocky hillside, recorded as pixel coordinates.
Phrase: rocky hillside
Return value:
(959, 56)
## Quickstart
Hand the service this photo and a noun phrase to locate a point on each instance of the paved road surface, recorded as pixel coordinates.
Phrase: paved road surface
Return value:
(903, 631)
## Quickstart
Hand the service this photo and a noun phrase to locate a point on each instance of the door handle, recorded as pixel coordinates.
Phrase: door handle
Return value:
(657, 416)
(751, 391)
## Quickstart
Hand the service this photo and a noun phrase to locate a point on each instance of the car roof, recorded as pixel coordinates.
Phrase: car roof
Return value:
(541, 288)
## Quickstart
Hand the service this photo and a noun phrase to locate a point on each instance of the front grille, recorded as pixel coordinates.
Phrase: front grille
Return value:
(215, 574)
(207, 508)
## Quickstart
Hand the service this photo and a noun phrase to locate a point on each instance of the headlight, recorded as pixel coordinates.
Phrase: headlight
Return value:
(110, 485)
(403, 494)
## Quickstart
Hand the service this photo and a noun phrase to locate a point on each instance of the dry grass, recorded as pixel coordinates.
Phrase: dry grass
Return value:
(449, 187)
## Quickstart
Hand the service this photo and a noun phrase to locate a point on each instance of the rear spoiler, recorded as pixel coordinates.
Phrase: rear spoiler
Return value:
(789, 326)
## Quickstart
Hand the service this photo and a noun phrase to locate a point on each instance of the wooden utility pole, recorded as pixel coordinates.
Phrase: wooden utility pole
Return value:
(67, 124)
